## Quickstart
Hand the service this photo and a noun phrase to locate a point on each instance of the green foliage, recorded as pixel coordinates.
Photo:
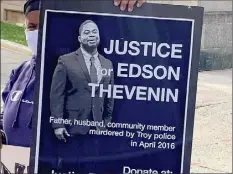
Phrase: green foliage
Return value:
(13, 33)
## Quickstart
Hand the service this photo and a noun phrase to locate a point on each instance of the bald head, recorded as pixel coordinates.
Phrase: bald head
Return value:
(85, 23)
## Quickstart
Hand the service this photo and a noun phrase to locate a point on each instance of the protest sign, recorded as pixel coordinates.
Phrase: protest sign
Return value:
(116, 90)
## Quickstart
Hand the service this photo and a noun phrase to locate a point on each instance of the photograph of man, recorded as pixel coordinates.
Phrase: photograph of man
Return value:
(71, 96)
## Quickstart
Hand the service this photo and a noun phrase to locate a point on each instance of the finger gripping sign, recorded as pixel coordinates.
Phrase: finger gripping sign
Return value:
(116, 91)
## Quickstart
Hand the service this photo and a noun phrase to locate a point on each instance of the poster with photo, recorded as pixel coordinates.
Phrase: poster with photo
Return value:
(116, 91)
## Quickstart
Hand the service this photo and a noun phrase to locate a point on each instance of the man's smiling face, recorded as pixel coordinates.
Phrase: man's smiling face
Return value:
(89, 36)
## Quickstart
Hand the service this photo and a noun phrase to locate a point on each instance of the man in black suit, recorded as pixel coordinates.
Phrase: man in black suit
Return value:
(70, 96)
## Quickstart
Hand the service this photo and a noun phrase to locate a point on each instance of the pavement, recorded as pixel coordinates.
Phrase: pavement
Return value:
(12, 55)
(212, 143)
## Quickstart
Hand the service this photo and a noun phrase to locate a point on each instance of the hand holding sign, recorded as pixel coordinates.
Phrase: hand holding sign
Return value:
(130, 3)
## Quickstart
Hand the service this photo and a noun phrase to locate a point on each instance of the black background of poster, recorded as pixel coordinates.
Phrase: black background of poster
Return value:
(157, 10)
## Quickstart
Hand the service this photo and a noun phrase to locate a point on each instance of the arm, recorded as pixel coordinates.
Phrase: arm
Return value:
(57, 93)
(13, 77)
(8, 86)
(5, 94)
(109, 102)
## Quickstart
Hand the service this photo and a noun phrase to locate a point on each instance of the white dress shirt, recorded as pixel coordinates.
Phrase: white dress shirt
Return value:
(97, 63)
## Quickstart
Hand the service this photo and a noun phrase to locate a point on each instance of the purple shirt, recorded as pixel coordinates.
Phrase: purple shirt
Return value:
(18, 104)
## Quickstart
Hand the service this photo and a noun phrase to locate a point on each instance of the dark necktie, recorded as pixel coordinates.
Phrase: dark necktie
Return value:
(93, 71)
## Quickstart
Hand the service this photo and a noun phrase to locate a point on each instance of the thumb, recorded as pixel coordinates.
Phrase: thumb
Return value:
(66, 133)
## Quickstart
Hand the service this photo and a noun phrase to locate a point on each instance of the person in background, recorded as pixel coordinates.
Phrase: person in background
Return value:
(18, 93)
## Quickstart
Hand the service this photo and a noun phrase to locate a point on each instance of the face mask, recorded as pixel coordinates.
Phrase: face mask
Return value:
(32, 38)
